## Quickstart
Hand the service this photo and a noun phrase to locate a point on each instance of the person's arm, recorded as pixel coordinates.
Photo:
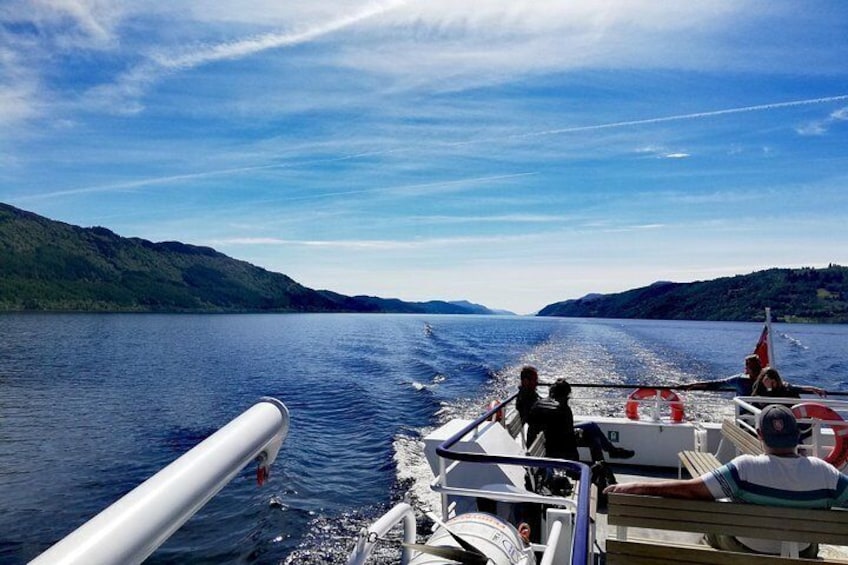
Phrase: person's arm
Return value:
(812, 390)
(709, 385)
(694, 489)
(701, 385)
(841, 498)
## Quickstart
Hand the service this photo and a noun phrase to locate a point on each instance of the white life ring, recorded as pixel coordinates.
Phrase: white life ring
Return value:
(839, 454)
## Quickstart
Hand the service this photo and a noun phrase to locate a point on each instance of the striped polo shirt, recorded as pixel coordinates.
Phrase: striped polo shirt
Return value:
(801, 482)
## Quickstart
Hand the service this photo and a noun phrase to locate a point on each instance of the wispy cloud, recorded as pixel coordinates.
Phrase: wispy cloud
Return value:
(124, 94)
(376, 244)
(820, 127)
(449, 185)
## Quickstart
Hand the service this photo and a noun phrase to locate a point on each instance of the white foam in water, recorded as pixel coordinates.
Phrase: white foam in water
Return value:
(412, 466)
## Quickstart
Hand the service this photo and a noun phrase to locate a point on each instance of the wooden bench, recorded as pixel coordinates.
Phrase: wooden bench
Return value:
(513, 426)
(538, 447)
(697, 463)
(744, 441)
(788, 525)
(513, 423)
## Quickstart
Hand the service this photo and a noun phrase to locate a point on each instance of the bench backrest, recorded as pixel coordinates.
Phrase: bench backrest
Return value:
(737, 519)
(741, 438)
(513, 423)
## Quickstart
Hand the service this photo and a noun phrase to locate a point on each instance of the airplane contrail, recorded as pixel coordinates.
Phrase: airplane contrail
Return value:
(695, 115)
(573, 129)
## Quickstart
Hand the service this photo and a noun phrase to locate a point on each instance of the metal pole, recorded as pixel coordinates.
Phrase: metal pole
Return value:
(772, 360)
(132, 528)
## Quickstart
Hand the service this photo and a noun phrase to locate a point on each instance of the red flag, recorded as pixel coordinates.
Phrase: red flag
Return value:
(761, 350)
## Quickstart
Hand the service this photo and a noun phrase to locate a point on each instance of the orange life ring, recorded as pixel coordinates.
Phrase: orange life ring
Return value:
(839, 454)
(497, 416)
(631, 409)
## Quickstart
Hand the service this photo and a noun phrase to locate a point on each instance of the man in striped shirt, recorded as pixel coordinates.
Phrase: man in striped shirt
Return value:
(780, 477)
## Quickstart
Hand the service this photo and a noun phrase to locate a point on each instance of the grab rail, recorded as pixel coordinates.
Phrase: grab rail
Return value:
(132, 528)
(581, 545)
(748, 409)
(401, 512)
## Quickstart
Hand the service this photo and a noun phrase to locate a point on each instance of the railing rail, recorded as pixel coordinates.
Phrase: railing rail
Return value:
(581, 543)
(368, 537)
(132, 528)
(749, 407)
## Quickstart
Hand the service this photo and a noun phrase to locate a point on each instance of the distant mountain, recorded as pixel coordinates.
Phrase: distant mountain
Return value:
(54, 266)
(479, 309)
(794, 295)
(361, 303)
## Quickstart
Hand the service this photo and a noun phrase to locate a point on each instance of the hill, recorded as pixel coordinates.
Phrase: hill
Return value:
(794, 295)
(54, 266)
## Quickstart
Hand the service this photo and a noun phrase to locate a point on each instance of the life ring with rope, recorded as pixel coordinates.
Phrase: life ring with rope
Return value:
(839, 453)
(495, 416)
(631, 409)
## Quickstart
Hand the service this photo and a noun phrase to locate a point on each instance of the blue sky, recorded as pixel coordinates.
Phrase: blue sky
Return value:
(510, 153)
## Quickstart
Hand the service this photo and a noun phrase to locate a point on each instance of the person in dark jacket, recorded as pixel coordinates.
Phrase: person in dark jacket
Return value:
(553, 416)
(770, 383)
(527, 395)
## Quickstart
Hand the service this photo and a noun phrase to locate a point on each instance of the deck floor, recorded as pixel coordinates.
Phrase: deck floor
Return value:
(626, 474)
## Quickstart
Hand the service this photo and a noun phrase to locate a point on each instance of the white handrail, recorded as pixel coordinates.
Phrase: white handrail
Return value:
(368, 537)
(132, 528)
(553, 541)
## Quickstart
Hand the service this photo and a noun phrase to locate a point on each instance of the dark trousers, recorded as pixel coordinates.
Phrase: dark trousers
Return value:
(589, 435)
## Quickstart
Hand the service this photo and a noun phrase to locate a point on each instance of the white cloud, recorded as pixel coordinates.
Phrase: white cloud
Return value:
(439, 43)
(821, 127)
(374, 244)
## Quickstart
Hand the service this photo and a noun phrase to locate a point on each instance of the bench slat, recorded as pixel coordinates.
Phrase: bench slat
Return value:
(744, 441)
(513, 424)
(648, 552)
(538, 447)
(776, 523)
(698, 462)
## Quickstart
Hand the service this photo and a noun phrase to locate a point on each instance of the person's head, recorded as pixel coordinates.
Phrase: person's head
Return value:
(560, 390)
(753, 366)
(529, 377)
(770, 379)
(778, 429)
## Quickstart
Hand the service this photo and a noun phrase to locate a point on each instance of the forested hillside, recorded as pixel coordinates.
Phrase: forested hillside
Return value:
(794, 295)
(54, 266)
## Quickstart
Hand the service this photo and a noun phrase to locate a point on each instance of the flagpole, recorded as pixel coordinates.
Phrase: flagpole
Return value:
(772, 360)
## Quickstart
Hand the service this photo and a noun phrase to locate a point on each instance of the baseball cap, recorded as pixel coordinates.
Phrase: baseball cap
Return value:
(778, 426)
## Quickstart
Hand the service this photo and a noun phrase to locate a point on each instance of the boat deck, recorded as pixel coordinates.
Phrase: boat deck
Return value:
(657, 444)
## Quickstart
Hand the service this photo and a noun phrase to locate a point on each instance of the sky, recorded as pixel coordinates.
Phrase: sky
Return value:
(510, 153)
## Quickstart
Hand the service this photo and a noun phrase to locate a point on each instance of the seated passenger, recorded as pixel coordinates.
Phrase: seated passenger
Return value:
(771, 384)
(554, 417)
(527, 395)
(743, 384)
(779, 477)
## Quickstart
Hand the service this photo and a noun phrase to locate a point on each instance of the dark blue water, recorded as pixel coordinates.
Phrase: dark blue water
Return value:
(91, 405)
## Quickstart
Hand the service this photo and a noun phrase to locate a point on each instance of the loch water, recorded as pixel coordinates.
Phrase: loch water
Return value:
(93, 404)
